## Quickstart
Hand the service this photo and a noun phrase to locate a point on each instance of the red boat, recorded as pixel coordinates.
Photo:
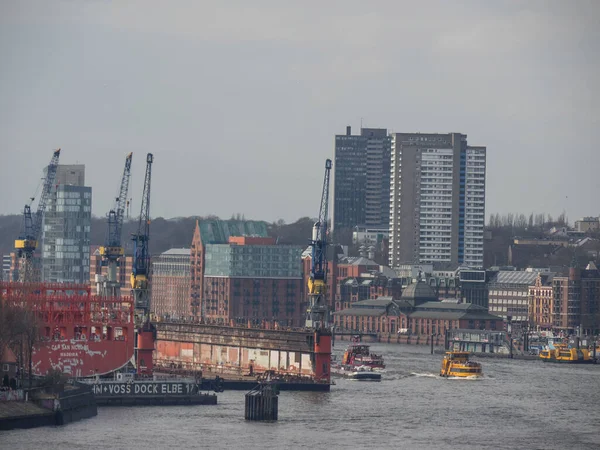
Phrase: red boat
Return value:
(81, 334)
(357, 355)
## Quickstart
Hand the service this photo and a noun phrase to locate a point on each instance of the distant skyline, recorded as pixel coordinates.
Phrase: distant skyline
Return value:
(240, 103)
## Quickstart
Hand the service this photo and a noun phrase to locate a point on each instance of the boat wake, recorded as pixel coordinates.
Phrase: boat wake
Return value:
(473, 377)
(428, 375)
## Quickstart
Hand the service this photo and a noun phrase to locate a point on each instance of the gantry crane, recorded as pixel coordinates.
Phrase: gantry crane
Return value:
(317, 316)
(141, 255)
(31, 227)
(113, 251)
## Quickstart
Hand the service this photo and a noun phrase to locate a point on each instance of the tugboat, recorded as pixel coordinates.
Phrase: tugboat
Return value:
(457, 364)
(562, 353)
(357, 355)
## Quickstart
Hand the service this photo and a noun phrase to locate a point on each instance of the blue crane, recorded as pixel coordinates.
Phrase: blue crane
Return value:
(141, 255)
(112, 250)
(318, 311)
(31, 226)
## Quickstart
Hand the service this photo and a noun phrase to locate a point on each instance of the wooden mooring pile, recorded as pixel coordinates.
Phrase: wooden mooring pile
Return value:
(262, 402)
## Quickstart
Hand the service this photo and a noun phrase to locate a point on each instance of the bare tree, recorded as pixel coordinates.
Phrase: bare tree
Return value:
(31, 336)
(520, 222)
(19, 331)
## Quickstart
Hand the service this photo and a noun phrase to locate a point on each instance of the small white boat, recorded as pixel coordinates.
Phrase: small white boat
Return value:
(363, 373)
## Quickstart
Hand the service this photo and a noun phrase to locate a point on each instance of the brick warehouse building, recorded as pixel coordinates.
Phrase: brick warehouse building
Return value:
(240, 274)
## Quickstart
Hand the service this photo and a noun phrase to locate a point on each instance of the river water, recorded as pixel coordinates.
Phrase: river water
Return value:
(518, 404)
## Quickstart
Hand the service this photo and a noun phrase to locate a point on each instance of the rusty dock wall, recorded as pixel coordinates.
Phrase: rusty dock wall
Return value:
(233, 350)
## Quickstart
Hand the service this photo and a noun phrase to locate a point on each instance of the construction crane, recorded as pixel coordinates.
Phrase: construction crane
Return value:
(31, 227)
(317, 316)
(112, 251)
(141, 255)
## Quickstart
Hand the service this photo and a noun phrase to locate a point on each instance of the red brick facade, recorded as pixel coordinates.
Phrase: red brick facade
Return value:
(196, 275)
(368, 324)
(244, 299)
(541, 303)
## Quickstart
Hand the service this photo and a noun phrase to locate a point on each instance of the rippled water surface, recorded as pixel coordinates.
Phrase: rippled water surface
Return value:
(518, 404)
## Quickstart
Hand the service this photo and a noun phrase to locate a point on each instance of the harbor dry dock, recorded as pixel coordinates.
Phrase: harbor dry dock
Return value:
(262, 403)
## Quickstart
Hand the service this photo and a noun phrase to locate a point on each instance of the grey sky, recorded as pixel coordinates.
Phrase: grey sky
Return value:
(240, 103)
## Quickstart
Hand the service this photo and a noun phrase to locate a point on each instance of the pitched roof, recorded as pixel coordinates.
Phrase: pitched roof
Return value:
(177, 252)
(357, 261)
(515, 277)
(361, 312)
(453, 315)
(8, 356)
(438, 306)
(376, 302)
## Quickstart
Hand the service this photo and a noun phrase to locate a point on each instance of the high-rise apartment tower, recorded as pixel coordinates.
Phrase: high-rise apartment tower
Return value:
(361, 179)
(437, 199)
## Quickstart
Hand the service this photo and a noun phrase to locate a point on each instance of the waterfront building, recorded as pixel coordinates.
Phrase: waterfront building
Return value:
(361, 187)
(214, 232)
(251, 278)
(378, 315)
(541, 302)
(509, 294)
(418, 312)
(241, 275)
(438, 317)
(171, 276)
(437, 200)
(576, 303)
(66, 228)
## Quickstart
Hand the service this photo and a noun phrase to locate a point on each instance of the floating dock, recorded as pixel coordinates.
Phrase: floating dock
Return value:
(130, 393)
(296, 360)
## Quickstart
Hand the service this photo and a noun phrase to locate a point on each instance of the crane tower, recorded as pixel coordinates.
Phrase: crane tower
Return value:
(317, 315)
(31, 227)
(112, 251)
(141, 255)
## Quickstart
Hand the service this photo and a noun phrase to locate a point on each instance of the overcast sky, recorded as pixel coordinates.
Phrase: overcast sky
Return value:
(239, 101)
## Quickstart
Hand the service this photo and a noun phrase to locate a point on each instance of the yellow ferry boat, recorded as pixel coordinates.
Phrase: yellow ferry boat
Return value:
(561, 353)
(457, 364)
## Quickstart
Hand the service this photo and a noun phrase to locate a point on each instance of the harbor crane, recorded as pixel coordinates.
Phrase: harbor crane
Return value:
(317, 314)
(29, 235)
(141, 255)
(112, 251)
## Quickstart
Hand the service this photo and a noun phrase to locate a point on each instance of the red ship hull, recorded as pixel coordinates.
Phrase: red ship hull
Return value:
(81, 358)
(80, 334)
